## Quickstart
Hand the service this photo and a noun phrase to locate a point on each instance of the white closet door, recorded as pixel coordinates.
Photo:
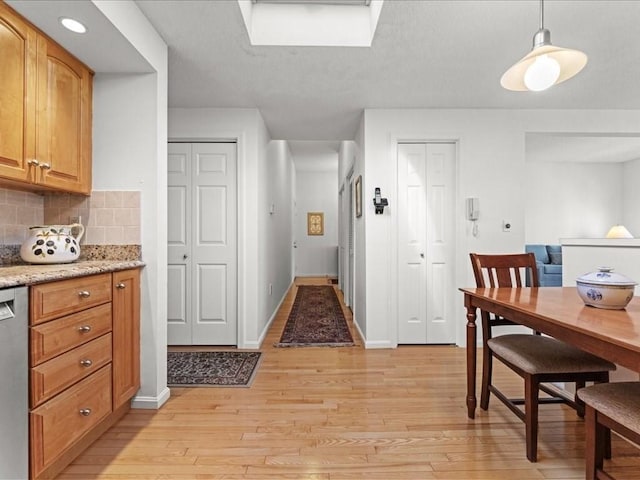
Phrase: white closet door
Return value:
(179, 307)
(426, 240)
(204, 311)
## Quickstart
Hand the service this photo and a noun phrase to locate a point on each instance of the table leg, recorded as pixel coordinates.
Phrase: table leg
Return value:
(471, 357)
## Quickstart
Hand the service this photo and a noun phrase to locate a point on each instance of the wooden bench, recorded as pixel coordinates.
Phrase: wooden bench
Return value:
(608, 406)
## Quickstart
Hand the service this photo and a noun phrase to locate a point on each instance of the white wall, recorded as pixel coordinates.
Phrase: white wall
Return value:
(572, 200)
(248, 128)
(631, 197)
(276, 181)
(316, 255)
(491, 167)
(346, 159)
(130, 153)
(359, 241)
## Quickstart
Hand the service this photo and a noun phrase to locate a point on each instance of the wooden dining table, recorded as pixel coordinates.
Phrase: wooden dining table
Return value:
(560, 313)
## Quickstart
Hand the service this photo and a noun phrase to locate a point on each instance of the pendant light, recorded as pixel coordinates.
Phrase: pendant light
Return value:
(546, 65)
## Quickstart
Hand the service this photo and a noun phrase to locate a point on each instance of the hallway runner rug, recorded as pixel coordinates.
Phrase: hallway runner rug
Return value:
(316, 320)
(211, 369)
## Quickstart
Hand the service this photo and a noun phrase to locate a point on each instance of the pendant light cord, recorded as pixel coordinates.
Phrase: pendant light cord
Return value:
(541, 14)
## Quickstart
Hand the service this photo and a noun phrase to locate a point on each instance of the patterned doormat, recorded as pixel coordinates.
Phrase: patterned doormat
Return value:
(211, 369)
(316, 320)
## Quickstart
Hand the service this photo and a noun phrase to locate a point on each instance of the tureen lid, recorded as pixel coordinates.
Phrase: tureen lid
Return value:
(606, 276)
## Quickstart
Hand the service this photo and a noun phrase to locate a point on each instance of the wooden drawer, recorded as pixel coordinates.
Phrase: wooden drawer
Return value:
(58, 336)
(50, 378)
(55, 299)
(56, 425)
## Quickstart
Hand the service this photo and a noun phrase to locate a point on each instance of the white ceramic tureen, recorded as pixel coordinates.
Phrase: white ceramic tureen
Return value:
(606, 289)
(52, 244)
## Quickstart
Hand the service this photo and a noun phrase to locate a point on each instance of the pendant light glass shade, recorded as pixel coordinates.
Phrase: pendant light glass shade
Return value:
(546, 65)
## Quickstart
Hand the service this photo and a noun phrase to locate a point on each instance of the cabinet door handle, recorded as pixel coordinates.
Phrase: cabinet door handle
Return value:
(85, 412)
(84, 293)
(84, 328)
(86, 362)
(120, 285)
(45, 166)
(33, 162)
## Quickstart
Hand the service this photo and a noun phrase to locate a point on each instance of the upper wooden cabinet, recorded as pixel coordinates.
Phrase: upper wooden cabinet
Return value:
(45, 114)
(17, 95)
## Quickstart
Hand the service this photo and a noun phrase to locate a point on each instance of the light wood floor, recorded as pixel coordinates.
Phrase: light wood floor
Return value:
(342, 413)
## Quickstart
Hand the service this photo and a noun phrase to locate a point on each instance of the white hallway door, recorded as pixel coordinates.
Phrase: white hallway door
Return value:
(426, 242)
(202, 270)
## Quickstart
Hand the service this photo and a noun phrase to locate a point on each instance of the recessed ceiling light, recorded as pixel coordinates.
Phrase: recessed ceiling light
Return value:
(73, 25)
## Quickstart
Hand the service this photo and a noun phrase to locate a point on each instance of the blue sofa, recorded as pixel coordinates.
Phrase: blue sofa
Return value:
(549, 262)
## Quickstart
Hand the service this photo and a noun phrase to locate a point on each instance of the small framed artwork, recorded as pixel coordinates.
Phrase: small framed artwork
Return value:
(359, 196)
(315, 223)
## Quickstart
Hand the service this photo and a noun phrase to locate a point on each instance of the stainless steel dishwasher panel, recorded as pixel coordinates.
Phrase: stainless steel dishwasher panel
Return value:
(14, 377)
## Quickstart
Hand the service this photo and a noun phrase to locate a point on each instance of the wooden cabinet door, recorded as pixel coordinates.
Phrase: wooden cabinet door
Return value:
(126, 335)
(17, 95)
(63, 143)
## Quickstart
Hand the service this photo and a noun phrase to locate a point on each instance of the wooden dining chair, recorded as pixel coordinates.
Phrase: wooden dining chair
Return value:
(609, 406)
(537, 359)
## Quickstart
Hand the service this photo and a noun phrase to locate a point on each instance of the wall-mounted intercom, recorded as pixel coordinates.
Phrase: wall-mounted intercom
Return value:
(379, 202)
(473, 208)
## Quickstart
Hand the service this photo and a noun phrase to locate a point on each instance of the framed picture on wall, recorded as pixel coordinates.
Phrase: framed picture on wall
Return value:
(359, 196)
(315, 223)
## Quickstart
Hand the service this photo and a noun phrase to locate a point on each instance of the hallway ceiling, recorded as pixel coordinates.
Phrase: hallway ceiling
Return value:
(425, 54)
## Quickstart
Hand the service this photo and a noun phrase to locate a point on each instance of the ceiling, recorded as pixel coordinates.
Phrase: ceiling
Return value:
(425, 54)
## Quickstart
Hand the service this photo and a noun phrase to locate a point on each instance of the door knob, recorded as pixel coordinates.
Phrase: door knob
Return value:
(422, 255)
(185, 256)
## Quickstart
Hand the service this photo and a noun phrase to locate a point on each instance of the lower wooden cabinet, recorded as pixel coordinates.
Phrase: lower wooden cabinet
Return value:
(84, 363)
(63, 420)
(54, 376)
(126, 336)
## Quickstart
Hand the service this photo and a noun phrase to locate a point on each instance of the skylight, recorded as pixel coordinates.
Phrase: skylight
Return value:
(364, 3)
(314, 23)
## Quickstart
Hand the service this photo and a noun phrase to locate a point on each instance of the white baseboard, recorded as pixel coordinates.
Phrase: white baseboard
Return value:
(379, 344)
(151, 403)
(369, 344)
(273, 316)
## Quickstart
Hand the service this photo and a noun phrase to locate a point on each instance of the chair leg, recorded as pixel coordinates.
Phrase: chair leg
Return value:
(487, 368)
(607, 432)
(590, 453)
(606, 449)
(531, 387)
(580, 404)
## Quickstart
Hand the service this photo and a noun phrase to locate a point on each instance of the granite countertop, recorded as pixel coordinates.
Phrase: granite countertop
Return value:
(18, 275)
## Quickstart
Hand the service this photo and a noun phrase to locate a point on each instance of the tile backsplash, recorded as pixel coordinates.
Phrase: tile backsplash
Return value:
(109, 217)
(19, 211)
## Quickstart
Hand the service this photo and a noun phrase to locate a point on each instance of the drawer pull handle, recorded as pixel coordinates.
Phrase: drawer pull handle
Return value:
(86, 363)
(120, 285)
(84, 293)
(85, 412)
(84, 328)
